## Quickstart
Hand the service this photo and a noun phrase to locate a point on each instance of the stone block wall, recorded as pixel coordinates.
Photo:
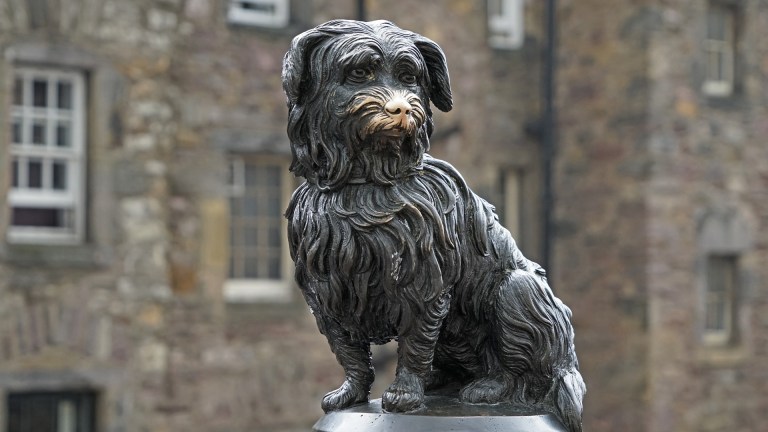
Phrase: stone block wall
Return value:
(709, 170)
(600, 211)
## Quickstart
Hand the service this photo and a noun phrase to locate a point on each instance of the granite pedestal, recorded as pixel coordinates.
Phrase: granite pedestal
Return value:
(439, 414)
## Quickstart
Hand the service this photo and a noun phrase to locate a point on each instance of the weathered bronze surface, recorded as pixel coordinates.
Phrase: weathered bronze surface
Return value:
(390, 243)
(440, 413)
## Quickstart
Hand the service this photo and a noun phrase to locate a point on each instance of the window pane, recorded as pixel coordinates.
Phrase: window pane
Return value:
(31, 413)
(250, 206)
(251, 267)
(251, 175)
(66, 416)
(64, 95)
(721, 273)
(720, 23)
(38, 132)
(41, 217)
(270, 176)
(274, 268)
(35, 173)
(494, 7)
(260, 6)
(233, 261)
(712, 64)
(63, 134)
(271, 205)
(712, 25)
(275, 237)
(250, 236)
(66, 411)
(18, 92)
(16, 134)
(256, 223)
(715, 315)
(236, 207)
(59, 175)
(15, 173)
(40, 93)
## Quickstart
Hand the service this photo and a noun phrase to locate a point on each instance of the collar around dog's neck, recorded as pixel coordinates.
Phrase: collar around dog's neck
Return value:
(358, 181)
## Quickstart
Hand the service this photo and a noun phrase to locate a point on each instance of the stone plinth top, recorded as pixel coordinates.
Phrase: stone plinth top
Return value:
(440, 413)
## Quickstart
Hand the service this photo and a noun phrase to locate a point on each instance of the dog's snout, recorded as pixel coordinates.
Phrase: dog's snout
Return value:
(398, 107)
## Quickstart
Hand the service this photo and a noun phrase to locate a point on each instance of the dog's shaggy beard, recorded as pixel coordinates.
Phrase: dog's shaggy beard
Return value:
(357, 142)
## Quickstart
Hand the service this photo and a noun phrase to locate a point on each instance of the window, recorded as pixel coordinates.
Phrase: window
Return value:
(259, 265)
(513, 189)
(505, 24)
(47, 157)
(719, 48)
(721, 285)
(263, 13)
(52, 412)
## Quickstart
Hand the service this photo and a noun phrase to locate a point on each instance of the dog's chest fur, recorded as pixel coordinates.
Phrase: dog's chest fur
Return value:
(372, 256)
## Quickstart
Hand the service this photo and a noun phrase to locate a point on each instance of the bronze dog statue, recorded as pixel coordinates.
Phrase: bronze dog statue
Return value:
(390, 243)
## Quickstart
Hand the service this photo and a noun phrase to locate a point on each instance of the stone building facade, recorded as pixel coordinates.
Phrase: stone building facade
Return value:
(142, 284)
(661, 210)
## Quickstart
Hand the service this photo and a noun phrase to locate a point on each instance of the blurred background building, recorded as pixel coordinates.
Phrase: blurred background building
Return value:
(144, 279)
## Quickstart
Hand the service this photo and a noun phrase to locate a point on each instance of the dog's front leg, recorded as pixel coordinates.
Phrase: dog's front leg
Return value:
(415, 352)
(355, 358)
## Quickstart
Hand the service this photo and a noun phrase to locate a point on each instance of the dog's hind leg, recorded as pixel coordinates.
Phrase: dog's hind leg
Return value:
(355, 357)
(534, 336)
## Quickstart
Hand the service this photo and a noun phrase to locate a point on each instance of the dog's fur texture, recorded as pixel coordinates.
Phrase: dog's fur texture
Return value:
(391, 243)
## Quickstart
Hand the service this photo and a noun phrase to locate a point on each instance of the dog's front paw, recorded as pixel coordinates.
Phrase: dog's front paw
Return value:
(345, 396)
(406, 393)
(484, 390)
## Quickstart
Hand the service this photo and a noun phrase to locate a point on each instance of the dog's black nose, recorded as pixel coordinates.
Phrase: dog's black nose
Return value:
(398, 107)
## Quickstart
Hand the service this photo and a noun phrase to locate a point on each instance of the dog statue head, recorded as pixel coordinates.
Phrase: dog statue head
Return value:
(359, 98)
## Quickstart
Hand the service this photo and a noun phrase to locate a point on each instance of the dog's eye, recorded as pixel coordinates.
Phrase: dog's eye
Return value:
(408, 78)
(358, 74)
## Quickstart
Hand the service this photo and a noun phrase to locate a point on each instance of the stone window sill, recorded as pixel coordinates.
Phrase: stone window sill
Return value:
(54, 256)
(722, 355)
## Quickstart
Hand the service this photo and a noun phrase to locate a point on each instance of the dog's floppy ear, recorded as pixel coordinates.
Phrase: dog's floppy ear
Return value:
(440, 84)
(295, 63)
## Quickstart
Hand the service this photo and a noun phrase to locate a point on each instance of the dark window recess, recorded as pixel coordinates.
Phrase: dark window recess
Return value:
(52, 411)
(15, 173)
(35, 174)
(62, 135)
(39, 217)
(17, 131)
(64, 95)
(721, 288)
(59, 175)
(266, 7)
(18, 92)
(40, 93)
(38, 133)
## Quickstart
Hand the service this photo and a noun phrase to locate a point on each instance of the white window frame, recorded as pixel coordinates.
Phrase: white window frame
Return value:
(240, 13)
(74, 155)
(720, 49)
(506, 29)
(242, 290)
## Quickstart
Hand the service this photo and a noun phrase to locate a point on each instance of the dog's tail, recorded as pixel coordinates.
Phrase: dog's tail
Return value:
(568, 395)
